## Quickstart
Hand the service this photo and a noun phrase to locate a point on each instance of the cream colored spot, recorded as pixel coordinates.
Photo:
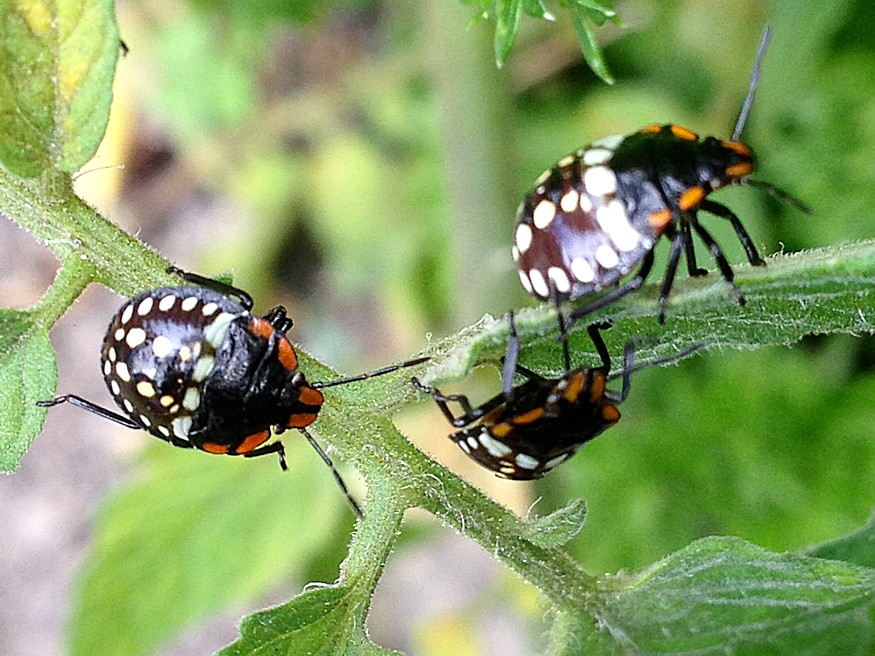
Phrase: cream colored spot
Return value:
(209, 309)
(523, 237)
(174, 409)
(192, 399)
(107, 367)
(507, 469)
(560, 279)
(119, 334)
(145, 306)
(181, 427)
(544, 213)
(185, 353)
(516, 253)
(525, 461)
(166, 303)
(121, 370)
(218, 329)
(524, 279)
(203, 368)
(127, 313)
(606, 256)
(611, 143)
(164, 431)
(582, 270)
(493, 446)
(472, 442)
(612, 219)
(585, 203)
(543, 177)
(136, 336)
(189, 303)
(568, 160)
(552, 462)
(167, 400)
(464, 446)
(112, 354)
(600, 181)
(145, 421)
(595, 156)
(568, 202)
(538, 283)
(116, 390)
(146, 389)
(162, 346)
(128, 405)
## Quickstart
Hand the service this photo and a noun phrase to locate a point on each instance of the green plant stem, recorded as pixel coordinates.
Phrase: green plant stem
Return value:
(49, 209)
(71, 280)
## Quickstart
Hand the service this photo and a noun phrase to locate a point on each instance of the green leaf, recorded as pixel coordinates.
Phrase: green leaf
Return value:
(198, 534)
(56, 68)
(827, 290)
(725, 595)
(317, 622)
(857, 547)
(28, 374)
(583, 18)
(536, 9)
(558, 527)
(507, 24)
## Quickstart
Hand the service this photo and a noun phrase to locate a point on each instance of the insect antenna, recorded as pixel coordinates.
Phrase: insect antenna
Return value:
(669, 359)
(754, 82)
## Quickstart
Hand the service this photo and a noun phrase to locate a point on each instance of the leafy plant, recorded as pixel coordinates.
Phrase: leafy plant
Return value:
(157, 568)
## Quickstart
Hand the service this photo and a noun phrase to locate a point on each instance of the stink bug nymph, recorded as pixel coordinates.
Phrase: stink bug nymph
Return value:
(194, 367)
(530, 428)
(600, 211)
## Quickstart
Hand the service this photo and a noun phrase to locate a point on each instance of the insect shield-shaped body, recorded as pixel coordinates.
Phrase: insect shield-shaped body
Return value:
(194, 367)
(600, 211)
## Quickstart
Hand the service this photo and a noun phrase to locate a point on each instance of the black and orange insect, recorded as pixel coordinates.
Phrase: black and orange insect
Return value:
(194, 367)
(530, 428)
(600, 211)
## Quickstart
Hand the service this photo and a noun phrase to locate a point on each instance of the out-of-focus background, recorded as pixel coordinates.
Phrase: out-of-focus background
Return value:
(361, 162)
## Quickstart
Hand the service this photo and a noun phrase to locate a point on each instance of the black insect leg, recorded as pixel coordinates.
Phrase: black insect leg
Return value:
(334, 472)
(595, 335)
(619, 292)
(677, 245)
(79, 402)
(693, 268)
(276, 447)
(470, 414)
(371, 374)
(278, 318)
(724, 212)
(215, 285)
(720, 258)
(511, 358)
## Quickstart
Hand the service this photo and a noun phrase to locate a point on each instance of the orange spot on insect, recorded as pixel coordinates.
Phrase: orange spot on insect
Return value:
(597, 388)
(739, 170)
(610, 414)
(501, 430)
(252, 442)
(286, 354)
(528, 417)
(681, 132)
(310, 396)
(301, 420)
(690, 198)
(575, 385)
(653, 128)
(659, 220)
(260, 327)
(215, 447)
(737, 147)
